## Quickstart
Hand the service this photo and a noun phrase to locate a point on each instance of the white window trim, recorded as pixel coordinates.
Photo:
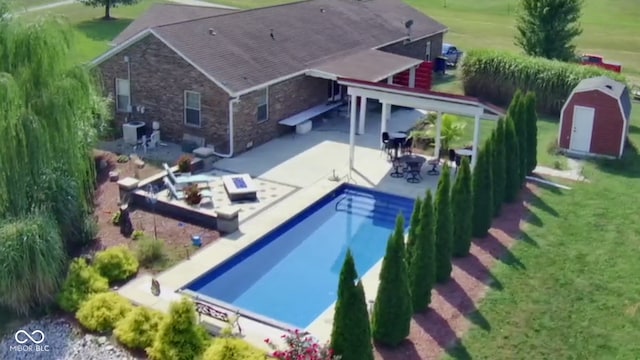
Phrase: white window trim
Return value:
(128, 105)
(266, 103)
(186, 106)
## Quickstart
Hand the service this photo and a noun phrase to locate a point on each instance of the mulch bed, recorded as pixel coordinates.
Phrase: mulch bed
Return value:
(445, 322)
(177, 238)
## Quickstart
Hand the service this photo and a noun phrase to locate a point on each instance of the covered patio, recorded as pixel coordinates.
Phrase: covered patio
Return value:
(388, 94)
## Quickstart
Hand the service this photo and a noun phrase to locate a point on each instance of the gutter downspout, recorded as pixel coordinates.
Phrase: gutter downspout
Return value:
(230, 154)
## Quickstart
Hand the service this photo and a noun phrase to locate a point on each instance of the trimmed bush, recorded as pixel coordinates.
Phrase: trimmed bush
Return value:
(496, 75)
(179, 336)
(413, 230)
(392, 309)
(462, 205)
(512, 162)
(138, 328)
(422, 270)
(498, 166)
(82, 281)
(226, 348)
(532, 131)
(149, 251)
(517, 113)
(32, 262)
(351, 333)
(482, 195)
(101, 312)
(117, 263)
(444, 226)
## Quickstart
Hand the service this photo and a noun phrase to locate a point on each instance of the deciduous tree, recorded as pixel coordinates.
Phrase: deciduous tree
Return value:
(392, 308)
(547, 28)
(108, 5)
(422, 266)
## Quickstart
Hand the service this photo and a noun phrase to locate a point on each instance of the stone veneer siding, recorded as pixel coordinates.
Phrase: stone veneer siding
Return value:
(286, 98)
(159, 78)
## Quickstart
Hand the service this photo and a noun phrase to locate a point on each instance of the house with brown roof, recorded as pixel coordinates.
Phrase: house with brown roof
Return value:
(236, 79)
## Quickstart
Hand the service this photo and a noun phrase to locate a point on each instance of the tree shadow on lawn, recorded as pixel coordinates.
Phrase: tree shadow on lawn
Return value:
(538, 202)
(407, 350)
(438, 328)
(627, 166)
(102, 30)
(473, 267)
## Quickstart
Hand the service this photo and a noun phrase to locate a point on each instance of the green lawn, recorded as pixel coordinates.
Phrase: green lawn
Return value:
(578, 294)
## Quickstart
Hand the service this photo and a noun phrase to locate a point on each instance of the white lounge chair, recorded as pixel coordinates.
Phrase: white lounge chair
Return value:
(184, 179)
(180, 195)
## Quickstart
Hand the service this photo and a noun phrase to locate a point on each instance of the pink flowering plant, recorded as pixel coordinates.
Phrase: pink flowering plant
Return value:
(301, 346)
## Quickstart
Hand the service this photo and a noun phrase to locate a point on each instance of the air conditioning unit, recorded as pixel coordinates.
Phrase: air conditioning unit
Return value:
(133, 131)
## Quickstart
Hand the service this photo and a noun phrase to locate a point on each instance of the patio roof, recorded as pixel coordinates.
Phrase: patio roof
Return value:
(367, 65)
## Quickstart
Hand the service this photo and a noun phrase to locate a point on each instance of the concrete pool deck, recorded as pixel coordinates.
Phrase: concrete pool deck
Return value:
(305, 162)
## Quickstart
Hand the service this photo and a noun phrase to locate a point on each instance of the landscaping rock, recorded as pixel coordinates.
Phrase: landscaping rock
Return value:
(63, 341)
(114, 175)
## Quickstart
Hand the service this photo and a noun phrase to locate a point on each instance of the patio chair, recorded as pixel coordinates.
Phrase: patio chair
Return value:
(434, 166)
(413, 172)
(458, 162)
(187, 179)
(407, 146)
(452, 155)
(180, 195)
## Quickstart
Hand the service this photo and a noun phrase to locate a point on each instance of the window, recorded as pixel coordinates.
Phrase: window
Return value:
(192, 108)
(123, 95)
(263, 106)
(427, 52)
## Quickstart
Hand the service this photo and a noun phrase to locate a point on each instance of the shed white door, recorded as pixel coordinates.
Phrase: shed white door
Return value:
(582, 128)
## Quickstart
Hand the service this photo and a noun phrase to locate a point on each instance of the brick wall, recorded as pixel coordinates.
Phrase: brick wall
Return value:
(416, 49)
(159, 78)
(285, 99)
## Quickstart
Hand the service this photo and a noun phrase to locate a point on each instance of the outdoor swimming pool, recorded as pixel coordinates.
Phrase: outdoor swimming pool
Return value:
(291, 274)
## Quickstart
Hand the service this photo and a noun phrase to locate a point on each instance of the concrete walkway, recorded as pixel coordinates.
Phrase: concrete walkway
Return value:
(574, 173)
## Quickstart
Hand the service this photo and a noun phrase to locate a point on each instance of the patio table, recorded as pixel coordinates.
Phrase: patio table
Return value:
(464, 152)
(398, 138)
(413, 164)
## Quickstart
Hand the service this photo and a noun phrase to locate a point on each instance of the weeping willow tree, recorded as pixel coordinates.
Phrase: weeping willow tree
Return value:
(48, 107)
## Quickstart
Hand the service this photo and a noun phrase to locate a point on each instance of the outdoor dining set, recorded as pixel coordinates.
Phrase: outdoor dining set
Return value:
(399, 149)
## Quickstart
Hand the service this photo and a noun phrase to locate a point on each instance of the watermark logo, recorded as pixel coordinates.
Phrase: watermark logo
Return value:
(29, 341)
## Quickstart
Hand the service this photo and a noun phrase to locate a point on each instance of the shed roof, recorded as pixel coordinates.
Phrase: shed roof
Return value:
(369, 65)
(163, 14)
(610, 87)
(246, 49)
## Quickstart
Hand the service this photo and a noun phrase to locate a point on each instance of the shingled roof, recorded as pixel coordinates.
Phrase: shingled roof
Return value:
(246, 49)
(163, 14)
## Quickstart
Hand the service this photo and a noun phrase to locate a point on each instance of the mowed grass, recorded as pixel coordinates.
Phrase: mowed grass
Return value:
(611, 27)
(570, 289)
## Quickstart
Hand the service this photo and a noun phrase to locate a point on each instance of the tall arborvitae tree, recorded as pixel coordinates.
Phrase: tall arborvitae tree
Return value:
(444, 226)
(498, 175)
(422, 267)
(512, 162)
(462, 205)
(413, 230)
(532, 132)
(517, 113)
(351, 334)
(392, 309)
(547, 28)
(482, 194)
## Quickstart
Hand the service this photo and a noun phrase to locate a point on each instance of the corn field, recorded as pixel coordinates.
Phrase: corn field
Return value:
(495, 76)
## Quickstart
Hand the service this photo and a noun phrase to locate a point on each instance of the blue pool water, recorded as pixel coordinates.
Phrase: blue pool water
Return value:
(291, 275)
